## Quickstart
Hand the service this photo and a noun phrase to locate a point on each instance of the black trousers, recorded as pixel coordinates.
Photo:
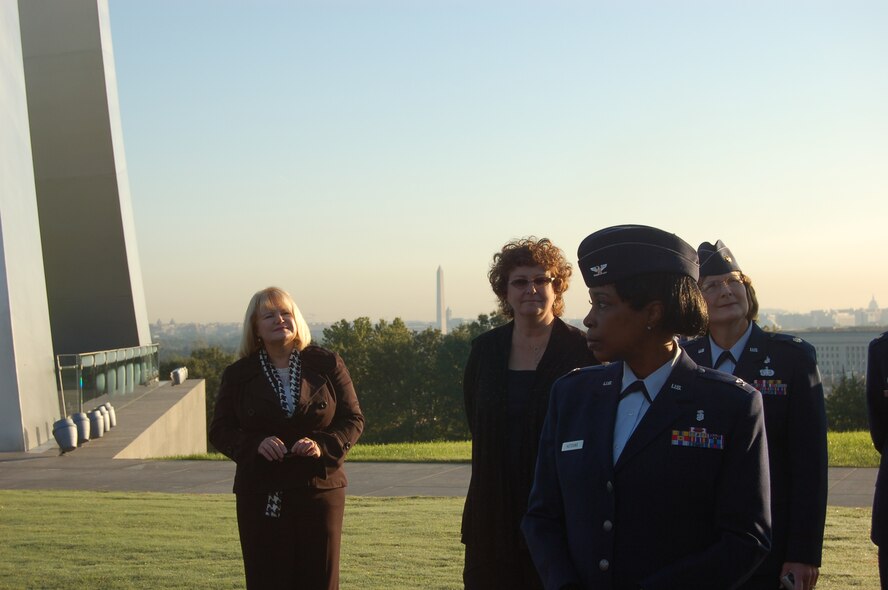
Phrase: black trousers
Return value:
(769, 582)
(298, 550)
(883, 567)
(482, 572)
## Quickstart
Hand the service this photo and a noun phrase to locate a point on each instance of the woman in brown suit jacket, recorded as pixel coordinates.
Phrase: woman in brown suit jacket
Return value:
(287, 414)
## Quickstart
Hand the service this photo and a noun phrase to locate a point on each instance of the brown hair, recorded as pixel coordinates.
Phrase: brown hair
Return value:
(529, 251)
(753, 312)
(271, 298)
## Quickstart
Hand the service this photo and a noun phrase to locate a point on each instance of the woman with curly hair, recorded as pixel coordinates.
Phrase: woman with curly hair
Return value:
(506, 387)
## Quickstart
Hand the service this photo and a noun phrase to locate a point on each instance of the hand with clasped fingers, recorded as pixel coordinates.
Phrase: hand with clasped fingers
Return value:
(306, 447)
(273, 449)
(805, 575)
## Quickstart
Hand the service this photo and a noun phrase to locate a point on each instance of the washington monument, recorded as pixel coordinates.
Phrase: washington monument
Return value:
(441, 317)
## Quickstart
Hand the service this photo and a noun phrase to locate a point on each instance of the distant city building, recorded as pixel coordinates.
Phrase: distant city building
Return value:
(841, 352)
(870, 316)
(441, 314)
(873, 315)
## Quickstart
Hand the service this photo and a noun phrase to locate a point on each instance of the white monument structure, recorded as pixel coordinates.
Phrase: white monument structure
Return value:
(70, 280)
(441, 315)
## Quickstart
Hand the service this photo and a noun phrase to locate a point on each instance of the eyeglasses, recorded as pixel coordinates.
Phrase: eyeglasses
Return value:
(538, 282)
(731, 282)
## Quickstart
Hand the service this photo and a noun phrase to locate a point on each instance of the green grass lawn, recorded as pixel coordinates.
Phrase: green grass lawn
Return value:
(436, 452)
(851, 449)
(846, 449)
(141, 540)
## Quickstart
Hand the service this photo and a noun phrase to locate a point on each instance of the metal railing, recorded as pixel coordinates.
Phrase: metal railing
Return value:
(86, 376)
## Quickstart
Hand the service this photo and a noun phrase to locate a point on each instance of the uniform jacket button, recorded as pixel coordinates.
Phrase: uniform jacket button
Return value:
(322, 405)
(251, 412)
(607, 526)
(603, 565)
(347, 446)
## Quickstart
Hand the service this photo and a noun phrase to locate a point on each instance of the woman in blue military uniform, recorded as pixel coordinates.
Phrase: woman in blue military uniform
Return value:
(652, 472)
(877, 406)
(784, 369)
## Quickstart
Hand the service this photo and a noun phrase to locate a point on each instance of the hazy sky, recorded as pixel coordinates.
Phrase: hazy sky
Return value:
(343, 150)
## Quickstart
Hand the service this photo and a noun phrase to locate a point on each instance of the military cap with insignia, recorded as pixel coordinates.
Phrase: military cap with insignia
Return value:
(716, 259)
(624, 251)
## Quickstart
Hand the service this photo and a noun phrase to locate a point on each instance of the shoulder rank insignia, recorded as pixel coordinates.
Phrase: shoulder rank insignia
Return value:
(697, 437)
(771, 386)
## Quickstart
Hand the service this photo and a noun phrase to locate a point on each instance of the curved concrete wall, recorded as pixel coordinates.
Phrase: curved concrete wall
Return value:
(70, 280)
(93, 276)
(28, 399)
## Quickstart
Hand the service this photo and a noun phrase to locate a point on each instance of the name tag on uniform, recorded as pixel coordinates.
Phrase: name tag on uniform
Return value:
(573, 445)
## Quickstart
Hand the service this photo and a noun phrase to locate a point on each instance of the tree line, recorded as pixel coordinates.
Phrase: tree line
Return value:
(410, 383)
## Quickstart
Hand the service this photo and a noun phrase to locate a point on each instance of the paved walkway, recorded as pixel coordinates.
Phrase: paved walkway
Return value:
(92, 467)
(70, 472)
(86, 469)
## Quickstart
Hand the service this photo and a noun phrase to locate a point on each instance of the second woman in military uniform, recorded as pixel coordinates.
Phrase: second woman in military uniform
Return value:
(784, 369)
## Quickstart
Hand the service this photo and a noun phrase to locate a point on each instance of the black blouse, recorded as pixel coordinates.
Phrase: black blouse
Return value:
(505, 424)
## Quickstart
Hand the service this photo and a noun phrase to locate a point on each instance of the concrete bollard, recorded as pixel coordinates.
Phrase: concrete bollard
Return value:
(111, 413)
(178, 376)
(65, 433)
(81, 421)
(106, 417)
(96, 424)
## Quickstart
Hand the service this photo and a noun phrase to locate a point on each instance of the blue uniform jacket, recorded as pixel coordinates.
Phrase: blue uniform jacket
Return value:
(686, 505)
(877, 406)
(784, 369)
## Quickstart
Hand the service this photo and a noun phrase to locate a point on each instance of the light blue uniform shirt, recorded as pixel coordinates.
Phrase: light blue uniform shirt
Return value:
(736, 351)
(634, 406)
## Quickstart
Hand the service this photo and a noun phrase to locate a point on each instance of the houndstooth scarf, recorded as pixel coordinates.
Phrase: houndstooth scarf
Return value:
(275, 499)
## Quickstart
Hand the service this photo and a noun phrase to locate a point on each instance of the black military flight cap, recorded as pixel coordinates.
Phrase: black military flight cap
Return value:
(716, 259)
(623, 251)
